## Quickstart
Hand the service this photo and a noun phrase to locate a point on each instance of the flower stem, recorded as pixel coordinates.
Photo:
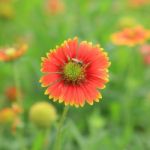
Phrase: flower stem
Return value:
(39, 142)
(19, 101)
(17, 83)
(57, 141)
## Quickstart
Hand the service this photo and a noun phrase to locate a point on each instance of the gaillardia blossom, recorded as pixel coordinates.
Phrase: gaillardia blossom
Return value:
(74, 72)
(11, 93)
(138, 3)
(12, 53)
(55, 6)
(145, 51)
(131, 36)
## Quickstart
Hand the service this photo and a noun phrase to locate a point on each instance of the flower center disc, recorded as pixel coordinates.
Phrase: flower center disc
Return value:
(73, 72)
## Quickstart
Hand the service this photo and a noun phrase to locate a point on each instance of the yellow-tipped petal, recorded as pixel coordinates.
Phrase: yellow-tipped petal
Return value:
(46, 92)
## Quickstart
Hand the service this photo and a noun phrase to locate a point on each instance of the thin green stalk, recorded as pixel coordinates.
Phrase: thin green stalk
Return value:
(17, 83)
(46, 139)
(19, 101)
(39, 142)
(129, 92)
(58, 135)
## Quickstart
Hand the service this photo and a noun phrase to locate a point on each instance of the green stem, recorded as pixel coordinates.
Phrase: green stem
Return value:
(57, 141)
(39, 141)
(46, 139)
(19, 101)
(17, 83)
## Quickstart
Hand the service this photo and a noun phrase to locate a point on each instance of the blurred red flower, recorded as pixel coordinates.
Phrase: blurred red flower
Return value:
(11, 93)
(131, 36)
(147, 59)
(138, 3)
(55, 6)
(145, 51)
(74, 72)
(9, 54)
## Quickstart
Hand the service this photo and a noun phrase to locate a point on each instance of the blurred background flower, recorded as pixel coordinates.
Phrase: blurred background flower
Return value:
(55, 6)
(145, 51)
(138, 3)
(131, 36)
(9, 118)
(43, 114)
(11, 93)
(12, 53)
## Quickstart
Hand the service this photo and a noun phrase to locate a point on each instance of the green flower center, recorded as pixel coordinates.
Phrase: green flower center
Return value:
(73, 72)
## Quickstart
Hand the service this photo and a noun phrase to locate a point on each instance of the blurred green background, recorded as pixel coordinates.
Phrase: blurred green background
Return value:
(120, 121)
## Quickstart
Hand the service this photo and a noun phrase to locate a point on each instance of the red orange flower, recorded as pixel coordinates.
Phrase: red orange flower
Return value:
(131, 36)
(11, 93)
(9, 54)
(138, 3)
(74, 72)
(145, 51)
(55, 6)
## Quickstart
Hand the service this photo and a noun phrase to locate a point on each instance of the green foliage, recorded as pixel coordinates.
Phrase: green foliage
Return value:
(120, 121)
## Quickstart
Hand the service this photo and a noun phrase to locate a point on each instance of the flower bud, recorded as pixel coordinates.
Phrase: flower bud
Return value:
(42, 114)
